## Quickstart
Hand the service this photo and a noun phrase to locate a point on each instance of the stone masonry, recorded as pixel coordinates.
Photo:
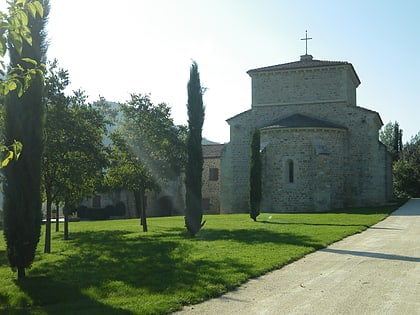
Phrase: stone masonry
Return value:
(320, 150)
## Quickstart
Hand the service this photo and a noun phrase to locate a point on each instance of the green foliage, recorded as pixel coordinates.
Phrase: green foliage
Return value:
(84, 212)
(153, 137)
(24, 123)
(194, 166)
(406, 161)
(12, 153)
(255, 180)
(110, 267)
(126, 170)
(75, 155)
(15, 32)
(147, 149)
(146, 145)
(56, 80)
(406, 170)
(391, 136)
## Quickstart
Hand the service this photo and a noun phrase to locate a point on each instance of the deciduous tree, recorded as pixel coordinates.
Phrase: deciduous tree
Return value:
(15, 33)
(56, 79)
(126, 171)
(147, 150)
(74, 158)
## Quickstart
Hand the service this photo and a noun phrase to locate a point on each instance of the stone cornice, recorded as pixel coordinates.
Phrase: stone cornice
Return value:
(320, 102)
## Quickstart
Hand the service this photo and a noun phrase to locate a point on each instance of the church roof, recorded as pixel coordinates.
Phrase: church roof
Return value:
(306, 61)
(302, 121)
(212, 150)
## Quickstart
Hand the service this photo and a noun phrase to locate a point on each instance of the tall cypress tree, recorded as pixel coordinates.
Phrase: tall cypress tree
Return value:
(255, 192)
(194, 168)
(24, 123)
(397, 145)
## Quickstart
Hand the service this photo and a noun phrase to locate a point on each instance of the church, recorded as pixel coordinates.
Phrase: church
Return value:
(319, 150)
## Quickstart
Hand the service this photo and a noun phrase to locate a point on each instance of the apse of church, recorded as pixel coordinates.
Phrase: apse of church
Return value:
(320, 151)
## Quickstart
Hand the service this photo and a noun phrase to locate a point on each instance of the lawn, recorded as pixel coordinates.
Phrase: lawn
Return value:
(112, 267)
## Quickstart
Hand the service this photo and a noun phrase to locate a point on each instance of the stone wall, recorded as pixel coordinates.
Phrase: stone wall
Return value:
(314, 85)
(364, 182)
(315, 181)
(211, 188)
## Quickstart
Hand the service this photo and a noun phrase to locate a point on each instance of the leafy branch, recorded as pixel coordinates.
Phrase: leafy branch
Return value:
(10, 153)
(14, 32)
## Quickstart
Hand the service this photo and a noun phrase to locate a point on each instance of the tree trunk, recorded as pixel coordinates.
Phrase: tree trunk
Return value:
(47, 244)
(143, 212)
(66, 223)
(140, 208)
(21, 273)
(57, 218)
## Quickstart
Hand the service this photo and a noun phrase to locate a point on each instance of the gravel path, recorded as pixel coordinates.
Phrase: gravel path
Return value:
(374, 272)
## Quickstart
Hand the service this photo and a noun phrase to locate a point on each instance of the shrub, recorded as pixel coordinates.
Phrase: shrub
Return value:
(81, 212)
(84, 212)
(119, 209)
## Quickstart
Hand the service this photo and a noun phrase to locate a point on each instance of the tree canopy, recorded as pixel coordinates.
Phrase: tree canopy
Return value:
(406, 170)
(15, 33)
(147, 150)
(391, 136)
(406, 160)
(75, 156)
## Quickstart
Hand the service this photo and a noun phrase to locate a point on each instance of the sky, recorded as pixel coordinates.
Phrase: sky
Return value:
(114, 48)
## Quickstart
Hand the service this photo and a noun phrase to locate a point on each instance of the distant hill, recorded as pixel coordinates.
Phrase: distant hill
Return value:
(204, 141)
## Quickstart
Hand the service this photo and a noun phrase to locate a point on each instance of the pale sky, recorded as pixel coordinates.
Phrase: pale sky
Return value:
(114, 48)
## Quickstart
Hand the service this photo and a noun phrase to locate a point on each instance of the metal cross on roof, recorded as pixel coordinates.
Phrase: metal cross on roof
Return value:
(306, 40)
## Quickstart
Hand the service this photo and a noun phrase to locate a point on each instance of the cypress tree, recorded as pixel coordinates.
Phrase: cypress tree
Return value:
(24, 123)
(255, 192)
(397, 145)
(194, 167)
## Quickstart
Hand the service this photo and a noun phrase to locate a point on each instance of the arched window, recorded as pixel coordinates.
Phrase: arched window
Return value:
(290, 169)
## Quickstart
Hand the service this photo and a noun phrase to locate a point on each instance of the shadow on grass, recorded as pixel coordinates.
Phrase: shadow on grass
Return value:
(103, 256)
(368, 210)
(3, 258)
(144, 265)
(55, 297)
(312, 224)
(262, 236)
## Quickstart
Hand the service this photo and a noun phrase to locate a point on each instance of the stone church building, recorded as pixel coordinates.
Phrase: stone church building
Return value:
(320, 151)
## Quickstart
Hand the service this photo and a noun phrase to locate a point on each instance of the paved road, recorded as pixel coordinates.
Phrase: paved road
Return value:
(374, 272)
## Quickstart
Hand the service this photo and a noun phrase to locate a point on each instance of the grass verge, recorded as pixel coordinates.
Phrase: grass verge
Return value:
(111, 267)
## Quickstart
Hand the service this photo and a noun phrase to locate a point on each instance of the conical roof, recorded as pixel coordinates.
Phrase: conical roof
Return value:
(302, 121)
(305, 62)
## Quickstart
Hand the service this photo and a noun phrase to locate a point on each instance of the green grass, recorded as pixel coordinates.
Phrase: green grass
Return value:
(111, 267)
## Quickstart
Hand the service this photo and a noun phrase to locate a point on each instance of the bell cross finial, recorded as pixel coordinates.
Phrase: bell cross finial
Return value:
(306, 41)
